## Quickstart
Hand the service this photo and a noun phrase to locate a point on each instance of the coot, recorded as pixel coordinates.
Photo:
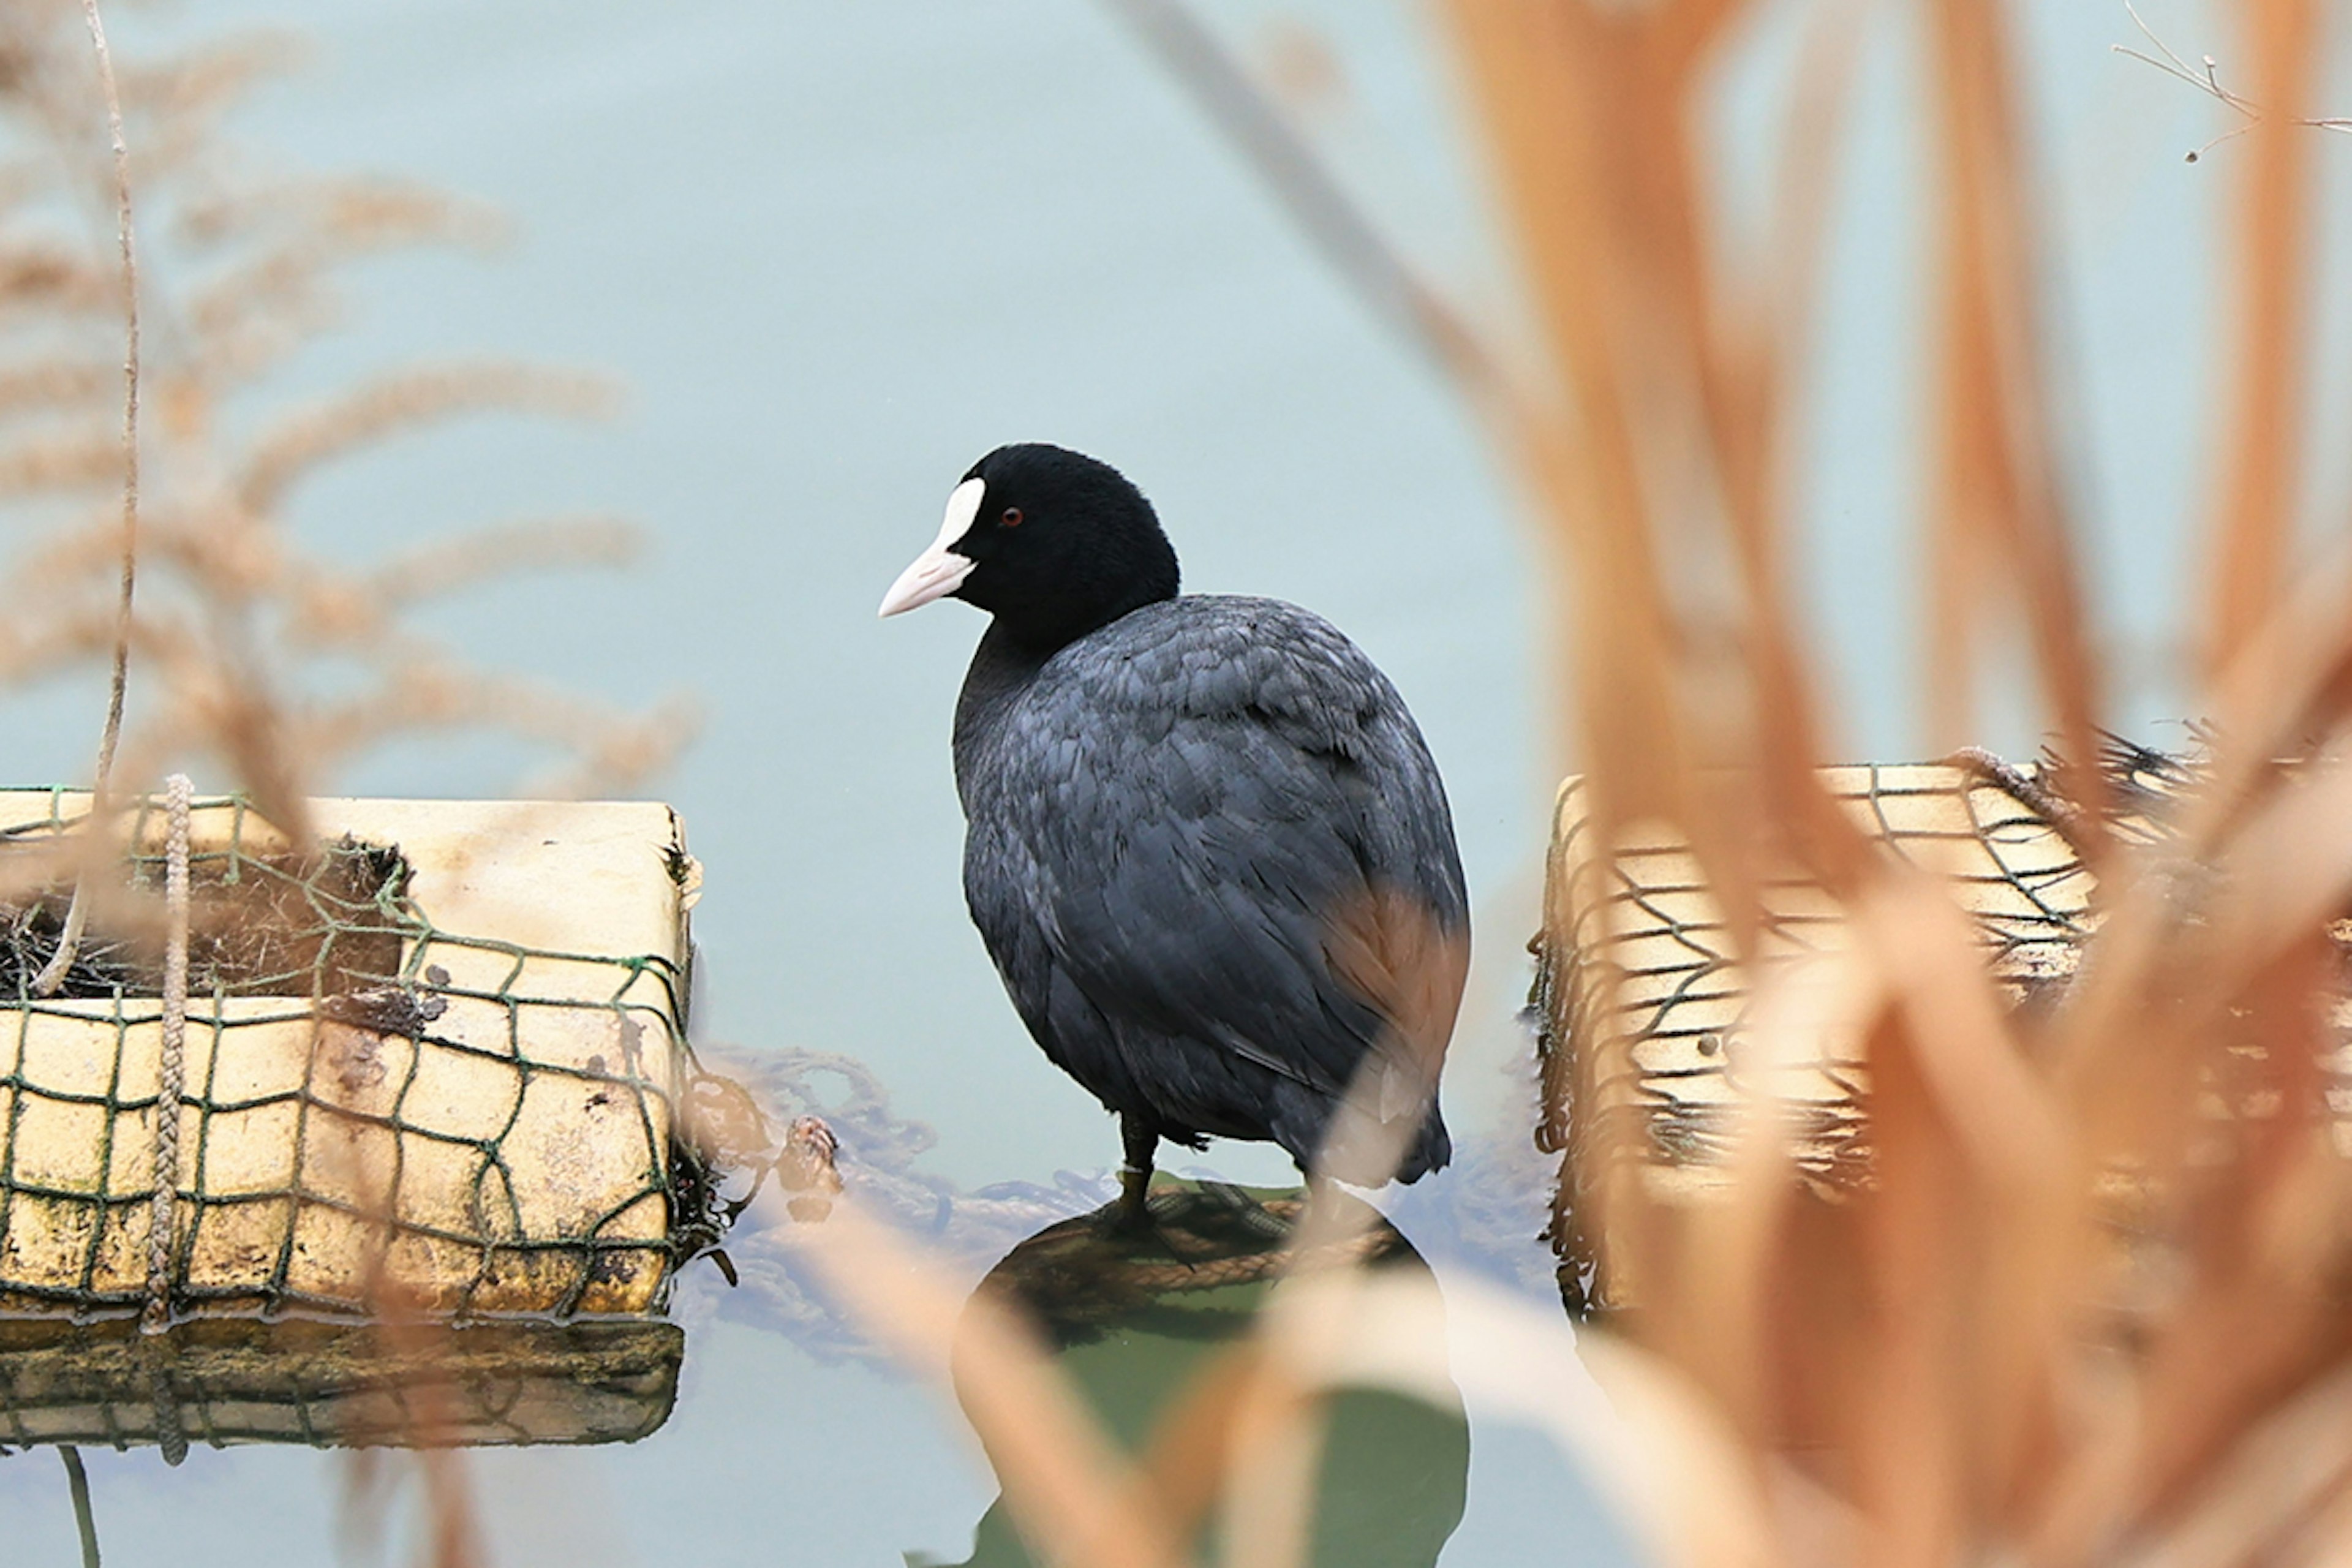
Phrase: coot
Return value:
(1206, 846)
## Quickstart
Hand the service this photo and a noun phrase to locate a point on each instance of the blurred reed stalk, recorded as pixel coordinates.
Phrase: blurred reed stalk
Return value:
(2271, 234)
(1940, 1370)
(53, 973)
(2091, 1308)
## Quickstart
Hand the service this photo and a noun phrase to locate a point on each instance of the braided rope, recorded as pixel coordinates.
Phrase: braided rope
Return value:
(169, 1434)
(172, 1068)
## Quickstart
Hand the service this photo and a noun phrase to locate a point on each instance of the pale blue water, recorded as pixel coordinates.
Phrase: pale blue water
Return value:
(835, 252)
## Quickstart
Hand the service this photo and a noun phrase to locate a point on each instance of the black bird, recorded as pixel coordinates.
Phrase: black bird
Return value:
(1206, 846)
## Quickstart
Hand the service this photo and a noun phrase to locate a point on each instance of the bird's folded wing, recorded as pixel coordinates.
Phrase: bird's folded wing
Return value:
(1253, 849)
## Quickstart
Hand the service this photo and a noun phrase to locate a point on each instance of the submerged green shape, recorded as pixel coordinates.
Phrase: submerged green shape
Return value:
(1136, 1317)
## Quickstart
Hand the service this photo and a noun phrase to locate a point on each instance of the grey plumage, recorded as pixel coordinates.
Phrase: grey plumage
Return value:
(1212, 859)
(1206, 848)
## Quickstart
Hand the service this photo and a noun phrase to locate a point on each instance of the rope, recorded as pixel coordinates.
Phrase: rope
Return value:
(169, 1435)
(172, 1068)
(47, 983)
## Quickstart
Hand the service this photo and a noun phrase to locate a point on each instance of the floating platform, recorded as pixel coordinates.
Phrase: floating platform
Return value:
(432, 1061)
(1642, 1007)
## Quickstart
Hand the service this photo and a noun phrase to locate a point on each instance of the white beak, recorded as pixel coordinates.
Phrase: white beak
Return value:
(937, 572)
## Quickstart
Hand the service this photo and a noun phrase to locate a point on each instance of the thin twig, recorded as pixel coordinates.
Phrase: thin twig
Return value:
(2209, 82)
(52, 976)
(85, 1521)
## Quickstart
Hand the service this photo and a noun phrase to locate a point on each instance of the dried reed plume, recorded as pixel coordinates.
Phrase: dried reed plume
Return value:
(281, 664)
(277, 662)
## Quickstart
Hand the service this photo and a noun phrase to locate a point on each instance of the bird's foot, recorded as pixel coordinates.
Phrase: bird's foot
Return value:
(1131, 1215)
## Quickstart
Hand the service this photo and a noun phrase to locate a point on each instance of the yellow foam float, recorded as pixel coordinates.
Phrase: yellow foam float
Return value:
(430, 1074)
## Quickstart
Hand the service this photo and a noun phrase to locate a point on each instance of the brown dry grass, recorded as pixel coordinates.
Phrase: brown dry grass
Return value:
(1932, 1373)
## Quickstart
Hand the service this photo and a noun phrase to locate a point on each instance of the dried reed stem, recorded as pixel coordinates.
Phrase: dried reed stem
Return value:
(2256, 515)
(2208, 80)
(77, 916)
(2000, 483)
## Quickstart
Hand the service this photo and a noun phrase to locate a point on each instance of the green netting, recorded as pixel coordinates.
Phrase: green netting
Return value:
(374, 1109)
(1643, 1006)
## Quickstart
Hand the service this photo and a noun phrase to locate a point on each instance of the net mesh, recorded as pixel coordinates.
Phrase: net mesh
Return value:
(1641, 1005)
(374, 1106)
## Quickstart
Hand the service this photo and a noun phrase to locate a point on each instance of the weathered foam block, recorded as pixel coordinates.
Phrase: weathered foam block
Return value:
(510, 1160)
(1640, 1008)
(1642, 1004)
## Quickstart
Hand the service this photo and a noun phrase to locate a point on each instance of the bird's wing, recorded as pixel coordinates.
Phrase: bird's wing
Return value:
(1221, 823)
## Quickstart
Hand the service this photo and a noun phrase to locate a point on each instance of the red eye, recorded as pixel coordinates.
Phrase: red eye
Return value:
(1011, 517)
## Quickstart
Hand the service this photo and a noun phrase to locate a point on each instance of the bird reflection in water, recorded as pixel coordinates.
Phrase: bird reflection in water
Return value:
(1134, 1318)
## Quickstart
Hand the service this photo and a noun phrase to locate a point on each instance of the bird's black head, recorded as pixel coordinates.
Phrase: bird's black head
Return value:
(1052, 543)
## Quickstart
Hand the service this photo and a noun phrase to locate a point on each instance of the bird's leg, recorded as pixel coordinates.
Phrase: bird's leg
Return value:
(1141, 1140)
